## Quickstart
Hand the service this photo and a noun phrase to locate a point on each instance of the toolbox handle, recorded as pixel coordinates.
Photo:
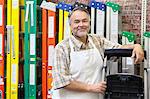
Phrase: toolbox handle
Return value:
(119, 53)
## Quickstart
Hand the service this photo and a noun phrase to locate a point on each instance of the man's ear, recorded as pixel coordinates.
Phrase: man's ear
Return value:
(69, 21)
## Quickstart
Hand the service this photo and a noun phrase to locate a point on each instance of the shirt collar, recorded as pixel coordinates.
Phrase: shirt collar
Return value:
(77, 42)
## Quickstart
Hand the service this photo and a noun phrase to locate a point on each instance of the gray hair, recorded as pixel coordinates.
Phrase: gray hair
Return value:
(80, 9)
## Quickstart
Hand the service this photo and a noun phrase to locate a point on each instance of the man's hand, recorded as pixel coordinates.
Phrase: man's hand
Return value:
(138, 53)
(98, 88)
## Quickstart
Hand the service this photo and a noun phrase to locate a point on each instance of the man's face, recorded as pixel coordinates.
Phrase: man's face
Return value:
(80, 23)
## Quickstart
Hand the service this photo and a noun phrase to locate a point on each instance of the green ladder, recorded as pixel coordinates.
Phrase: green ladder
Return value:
(30, 50)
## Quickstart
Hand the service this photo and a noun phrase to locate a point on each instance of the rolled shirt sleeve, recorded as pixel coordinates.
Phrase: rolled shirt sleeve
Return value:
(108, 44)
(60, 70)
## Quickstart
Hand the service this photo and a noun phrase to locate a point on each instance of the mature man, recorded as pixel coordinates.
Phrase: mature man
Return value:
(78, 60)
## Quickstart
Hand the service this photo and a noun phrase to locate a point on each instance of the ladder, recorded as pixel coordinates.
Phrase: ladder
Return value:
(93, 12)
(48, 44)
(112, 13)
(147, 65)
(12, 49)
(44, 52)
(60, 32)
(146, 47)
(100, 9)
(64, 27)
(21, 50)
(128, 63)
(2, 26)
(30, 50)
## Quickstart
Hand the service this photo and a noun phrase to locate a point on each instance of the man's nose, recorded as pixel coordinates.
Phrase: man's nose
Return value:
(81, 23)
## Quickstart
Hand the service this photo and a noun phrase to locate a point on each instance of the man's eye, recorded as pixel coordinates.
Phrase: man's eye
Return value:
(76, 21)
(85, 20)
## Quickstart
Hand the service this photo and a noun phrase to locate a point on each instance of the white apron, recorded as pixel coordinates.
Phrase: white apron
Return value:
(85, 66)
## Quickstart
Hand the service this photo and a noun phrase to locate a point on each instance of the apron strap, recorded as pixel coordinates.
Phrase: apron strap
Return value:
(71, 45)
(90, 40)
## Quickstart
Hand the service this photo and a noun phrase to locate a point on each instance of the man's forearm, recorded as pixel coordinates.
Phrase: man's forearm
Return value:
(83, 87)
(129, 46)
(78, 86)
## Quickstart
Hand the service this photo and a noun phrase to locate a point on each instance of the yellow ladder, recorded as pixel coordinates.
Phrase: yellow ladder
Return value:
(12, 49)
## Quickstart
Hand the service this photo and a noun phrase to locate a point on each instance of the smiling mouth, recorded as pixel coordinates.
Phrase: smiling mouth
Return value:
(82, 30)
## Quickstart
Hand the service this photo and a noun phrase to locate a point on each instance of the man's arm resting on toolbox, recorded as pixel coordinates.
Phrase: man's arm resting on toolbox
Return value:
(137, 52)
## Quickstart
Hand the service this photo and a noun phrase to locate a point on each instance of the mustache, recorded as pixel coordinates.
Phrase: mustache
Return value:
(82, 28)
